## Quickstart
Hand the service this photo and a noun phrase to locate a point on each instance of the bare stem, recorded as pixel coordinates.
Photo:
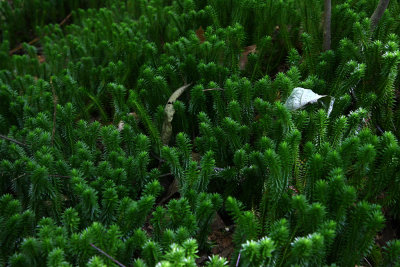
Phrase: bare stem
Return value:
(19, 47)
(12, 140)
(378, 13)
(327, 25)
(54, 112)
(57, 175)
(213, 89)
(108, 256)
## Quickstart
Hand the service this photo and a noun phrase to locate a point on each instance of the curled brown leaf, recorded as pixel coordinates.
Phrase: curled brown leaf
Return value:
(243, 59)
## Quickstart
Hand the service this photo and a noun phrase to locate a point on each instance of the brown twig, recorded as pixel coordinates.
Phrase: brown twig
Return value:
(51, 175)
(58, 175)
(65, 19)
(16, 178)
(108, 256)
(213, 89)
(12, 140)
(379, 129)
(20, 46)
(369, 264)
(54, 112)
(154, 155)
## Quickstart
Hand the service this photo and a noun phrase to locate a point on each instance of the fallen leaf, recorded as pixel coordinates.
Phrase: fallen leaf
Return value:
(41, 58)
(223, 243)
(243, 59)
(217, 223)
(278, 96)
(200, 34)
(196, 156)
(169, 114)
(200, 261)
(301, 97)
(121, 124)
(172, 189)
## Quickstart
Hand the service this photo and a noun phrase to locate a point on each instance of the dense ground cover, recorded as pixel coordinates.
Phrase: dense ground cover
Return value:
(143, 133)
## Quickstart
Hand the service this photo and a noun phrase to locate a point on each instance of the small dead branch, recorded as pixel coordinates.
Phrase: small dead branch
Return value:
(367, 261)
(54, 112)
(327, 25)
(213, 89)
(12, 140)
(58, 175)
(65, 20)
(16, 178)
(50, 175)
(20, 46)
(108, 256)
(154, 155)
(378, 13)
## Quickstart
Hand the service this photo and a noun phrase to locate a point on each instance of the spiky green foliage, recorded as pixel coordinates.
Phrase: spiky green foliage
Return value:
(83, 168)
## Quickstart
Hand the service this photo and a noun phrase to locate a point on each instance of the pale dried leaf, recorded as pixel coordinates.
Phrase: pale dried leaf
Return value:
(169, 114)
(121, 124)
(301, 97)
(41, 58)
(200, 34)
